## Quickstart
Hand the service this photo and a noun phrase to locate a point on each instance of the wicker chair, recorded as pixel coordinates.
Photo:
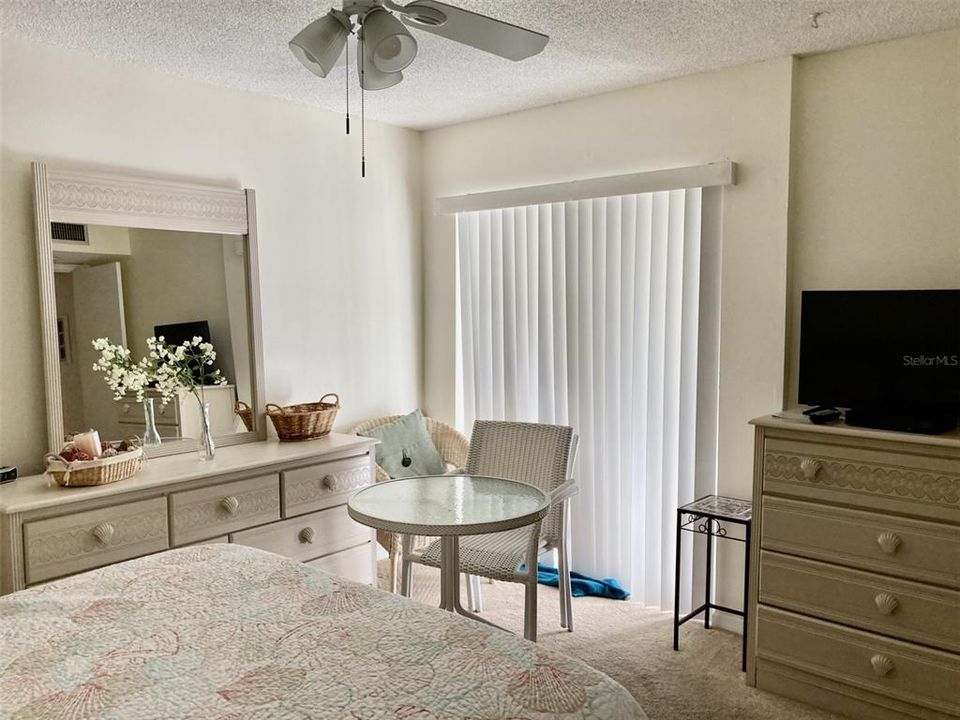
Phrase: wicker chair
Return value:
(541, 455)
(453, 448)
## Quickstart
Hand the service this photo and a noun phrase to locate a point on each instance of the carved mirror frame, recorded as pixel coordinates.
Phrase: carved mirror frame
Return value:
(97, 198)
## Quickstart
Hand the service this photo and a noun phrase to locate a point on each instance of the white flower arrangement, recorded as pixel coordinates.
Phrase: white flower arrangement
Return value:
(188, 366)
(121, 373)
(167, 368)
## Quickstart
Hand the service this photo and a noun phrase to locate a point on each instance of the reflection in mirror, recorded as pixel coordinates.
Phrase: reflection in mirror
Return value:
(128, 284)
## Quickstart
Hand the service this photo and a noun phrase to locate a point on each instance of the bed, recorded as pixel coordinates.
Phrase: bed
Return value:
(218, 632)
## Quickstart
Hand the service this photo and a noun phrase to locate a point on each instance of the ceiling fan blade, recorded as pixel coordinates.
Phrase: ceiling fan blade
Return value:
(479, 31)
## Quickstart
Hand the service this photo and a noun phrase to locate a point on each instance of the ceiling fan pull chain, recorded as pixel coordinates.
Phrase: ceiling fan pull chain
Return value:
(346, 48)
(363, 111)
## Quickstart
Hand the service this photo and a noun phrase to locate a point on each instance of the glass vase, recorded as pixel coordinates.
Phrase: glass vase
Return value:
(151, 437)
(205, 447)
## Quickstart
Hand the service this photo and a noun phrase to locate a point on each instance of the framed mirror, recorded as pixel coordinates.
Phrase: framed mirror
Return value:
(126, 258)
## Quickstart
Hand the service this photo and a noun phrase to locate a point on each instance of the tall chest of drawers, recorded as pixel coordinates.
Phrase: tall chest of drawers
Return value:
(855, 575)
(287, 498)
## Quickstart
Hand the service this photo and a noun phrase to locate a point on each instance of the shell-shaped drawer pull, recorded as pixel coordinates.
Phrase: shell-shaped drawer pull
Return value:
(886, 603)
(307, 534)
(889, 542)
(103, 533)
(810, 467)
(230, 504)
(882, 665)
(125, 409)
(330, 482)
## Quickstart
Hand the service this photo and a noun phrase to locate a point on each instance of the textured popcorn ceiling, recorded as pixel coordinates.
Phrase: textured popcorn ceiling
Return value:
(595, 45)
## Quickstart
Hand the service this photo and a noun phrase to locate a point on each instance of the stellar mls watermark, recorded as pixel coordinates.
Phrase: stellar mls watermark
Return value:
(931, 360)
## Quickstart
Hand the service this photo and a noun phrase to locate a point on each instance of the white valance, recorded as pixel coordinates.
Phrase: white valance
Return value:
(698, 176)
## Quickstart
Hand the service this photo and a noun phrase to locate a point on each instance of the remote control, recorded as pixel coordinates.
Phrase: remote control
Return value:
(822, 416)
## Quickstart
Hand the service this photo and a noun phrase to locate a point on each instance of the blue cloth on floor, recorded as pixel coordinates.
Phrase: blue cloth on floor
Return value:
(582, 585)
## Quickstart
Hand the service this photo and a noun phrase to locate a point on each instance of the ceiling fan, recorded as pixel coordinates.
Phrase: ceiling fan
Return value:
(385, 46)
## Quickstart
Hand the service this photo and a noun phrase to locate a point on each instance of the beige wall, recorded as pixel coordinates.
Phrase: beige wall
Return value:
(339, 256)
(875, 172)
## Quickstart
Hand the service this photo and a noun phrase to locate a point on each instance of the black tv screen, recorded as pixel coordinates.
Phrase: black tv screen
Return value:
(179, 333)
(880, 349)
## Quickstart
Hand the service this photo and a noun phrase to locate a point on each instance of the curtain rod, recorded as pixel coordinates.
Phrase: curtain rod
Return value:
(710, 175)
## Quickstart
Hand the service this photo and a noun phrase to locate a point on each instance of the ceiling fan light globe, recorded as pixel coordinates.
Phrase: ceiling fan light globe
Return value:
(393, 54)
(371, 77)
(319, 45)
(392, 47)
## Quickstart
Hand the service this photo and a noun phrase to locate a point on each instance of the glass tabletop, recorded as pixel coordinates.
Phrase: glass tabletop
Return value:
(448, 505)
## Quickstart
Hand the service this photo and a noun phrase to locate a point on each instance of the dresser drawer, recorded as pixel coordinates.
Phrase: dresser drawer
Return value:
(912, 549)
(70, 544)
(224, 508)
(898, 608)
(307, 536)
(917, 675)
(324, 485)
(926, 485)
(355, 564)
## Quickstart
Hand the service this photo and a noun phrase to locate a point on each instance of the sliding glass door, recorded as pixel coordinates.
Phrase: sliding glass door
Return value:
(601, 314)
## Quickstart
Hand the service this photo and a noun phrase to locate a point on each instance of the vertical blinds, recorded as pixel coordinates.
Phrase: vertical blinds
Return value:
(586, 313)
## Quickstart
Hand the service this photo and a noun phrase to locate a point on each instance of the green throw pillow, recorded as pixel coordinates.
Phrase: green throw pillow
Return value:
(406, 449)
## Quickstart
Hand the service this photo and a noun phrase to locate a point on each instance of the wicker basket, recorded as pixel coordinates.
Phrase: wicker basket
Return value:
(95, 472)
(306, 421)
(246, 414)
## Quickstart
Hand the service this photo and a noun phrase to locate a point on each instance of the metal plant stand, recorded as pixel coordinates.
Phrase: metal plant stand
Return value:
(708, 516)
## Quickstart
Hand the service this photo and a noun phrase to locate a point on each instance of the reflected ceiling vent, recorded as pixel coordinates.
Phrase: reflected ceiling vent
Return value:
(68, 232)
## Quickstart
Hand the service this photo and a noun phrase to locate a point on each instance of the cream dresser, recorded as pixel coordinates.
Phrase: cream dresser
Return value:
(289, 498)
(855, 581)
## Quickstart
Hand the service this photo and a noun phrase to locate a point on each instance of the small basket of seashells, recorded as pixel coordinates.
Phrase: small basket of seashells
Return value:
(77, 466)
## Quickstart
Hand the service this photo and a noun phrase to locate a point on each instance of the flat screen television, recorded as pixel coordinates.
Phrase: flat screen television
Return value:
(891, 357)
(178, 333)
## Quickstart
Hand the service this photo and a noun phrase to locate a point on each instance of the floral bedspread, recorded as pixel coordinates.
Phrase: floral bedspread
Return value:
(223, 632)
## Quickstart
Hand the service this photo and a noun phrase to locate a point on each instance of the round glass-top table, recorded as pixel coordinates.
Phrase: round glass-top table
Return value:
(449, 506)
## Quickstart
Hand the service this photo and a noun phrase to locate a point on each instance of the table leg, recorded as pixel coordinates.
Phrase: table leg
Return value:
(746, 598)
(449, 573)
(707, 593)
(676, 591)
(450, 580)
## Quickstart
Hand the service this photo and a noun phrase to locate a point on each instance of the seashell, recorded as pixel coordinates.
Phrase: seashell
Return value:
(103, 533)
(306, 535)
(548, 689)
(810, 467)
(886, 603)
(889, 542)
(263, 685)
(882, 665)
(345, 599)
(482, 664)
(230, 504)
(84, 701)
(24, 688)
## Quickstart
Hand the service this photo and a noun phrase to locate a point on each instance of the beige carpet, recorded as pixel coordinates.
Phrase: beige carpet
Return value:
(634, 646)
